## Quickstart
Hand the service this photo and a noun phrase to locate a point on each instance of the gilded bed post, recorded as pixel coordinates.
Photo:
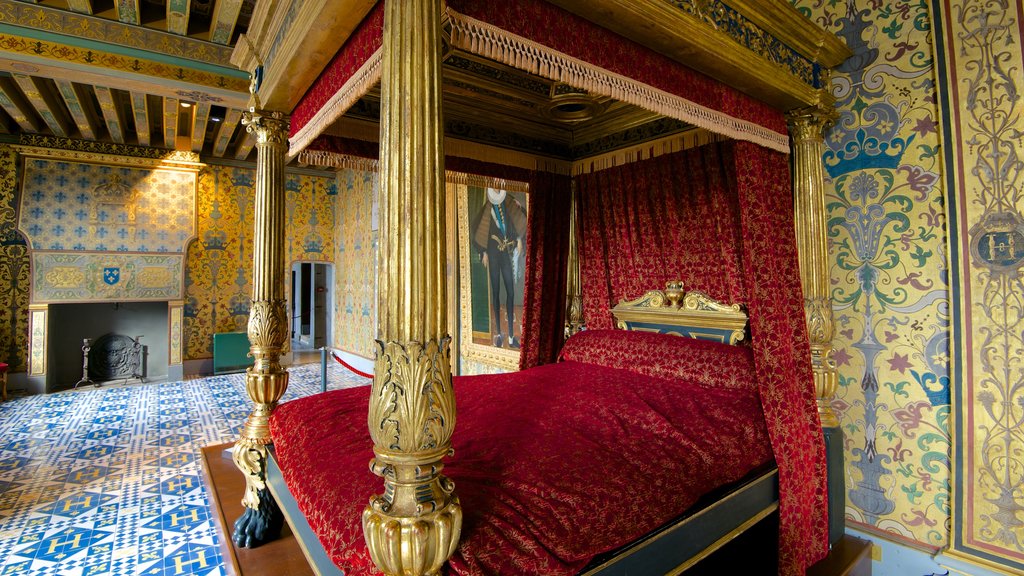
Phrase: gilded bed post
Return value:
(414, 526)
(574, 321)
(266, 380)
(805, 127)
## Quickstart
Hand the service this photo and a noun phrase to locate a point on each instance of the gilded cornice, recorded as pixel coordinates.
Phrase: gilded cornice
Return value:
(294, 40)
(82, 26)
(762, 47)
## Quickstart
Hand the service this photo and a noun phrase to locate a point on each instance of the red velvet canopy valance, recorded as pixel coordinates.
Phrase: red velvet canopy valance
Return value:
(546, 40)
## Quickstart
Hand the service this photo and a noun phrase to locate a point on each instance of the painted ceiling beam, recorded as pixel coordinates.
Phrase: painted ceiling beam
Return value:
(140, 111)
(177, 16)
(170, 122)
(155, 85)
(110, 117)
(128, 11)
(225, 16)
(200, 116)
(35, 96)
(226, 131)
(88, 32)
(11, 101)
(245, 146)
(75, 108)
(80, 6)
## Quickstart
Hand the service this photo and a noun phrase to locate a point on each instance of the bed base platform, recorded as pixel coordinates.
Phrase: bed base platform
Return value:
(715, 520)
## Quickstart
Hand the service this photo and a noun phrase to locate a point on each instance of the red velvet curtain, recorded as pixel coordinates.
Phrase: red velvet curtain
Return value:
(645, 223)
(547, 255)
(720, 218)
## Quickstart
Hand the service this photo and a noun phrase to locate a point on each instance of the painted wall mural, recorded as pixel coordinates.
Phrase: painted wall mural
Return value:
(14, 270)
(983, 74)
(887, 244)
(99, 232)
(218, 277)
(355, 305)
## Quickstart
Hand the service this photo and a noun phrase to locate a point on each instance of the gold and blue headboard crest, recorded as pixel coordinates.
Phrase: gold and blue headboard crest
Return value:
(684, 313)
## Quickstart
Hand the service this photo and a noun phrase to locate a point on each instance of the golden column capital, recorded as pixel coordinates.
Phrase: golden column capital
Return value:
(266, 381)
(413, 527)
(269, 127)
(806, 127)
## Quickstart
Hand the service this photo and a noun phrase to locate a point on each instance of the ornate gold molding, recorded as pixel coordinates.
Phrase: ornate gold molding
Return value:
(269, 128)
(55, 147)
(743, 43)
(806, 127)
(693, 312)
(414, 526)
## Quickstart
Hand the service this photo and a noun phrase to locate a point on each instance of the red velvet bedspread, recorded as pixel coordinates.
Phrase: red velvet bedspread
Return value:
(553, 465)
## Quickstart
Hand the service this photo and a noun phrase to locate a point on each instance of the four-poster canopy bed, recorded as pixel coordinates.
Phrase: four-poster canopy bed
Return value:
(620, 395)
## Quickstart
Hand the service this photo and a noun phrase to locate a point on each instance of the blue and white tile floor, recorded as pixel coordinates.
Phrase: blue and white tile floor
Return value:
(108, 480)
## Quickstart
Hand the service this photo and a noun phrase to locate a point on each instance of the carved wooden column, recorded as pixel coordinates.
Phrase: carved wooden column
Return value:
(266, 380)
(806, 128)
(574, 321)
(414, 526)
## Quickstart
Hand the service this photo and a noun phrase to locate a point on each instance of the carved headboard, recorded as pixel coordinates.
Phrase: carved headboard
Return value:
(676, 311)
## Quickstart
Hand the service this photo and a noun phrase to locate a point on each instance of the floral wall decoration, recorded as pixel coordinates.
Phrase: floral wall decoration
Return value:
(218, 278)
(14, 271)
(982, 73)
(355, 238)
(887, 244)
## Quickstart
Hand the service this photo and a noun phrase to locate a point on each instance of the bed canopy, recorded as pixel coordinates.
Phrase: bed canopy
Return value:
(751, 71)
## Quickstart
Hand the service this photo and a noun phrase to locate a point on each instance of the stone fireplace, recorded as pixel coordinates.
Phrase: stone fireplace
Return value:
(107, 237)
(70, 324)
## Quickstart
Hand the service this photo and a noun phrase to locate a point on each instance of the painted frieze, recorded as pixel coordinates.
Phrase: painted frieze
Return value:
(981, 59)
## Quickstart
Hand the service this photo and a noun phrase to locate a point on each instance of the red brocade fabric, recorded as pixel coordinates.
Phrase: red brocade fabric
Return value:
(709, 364)
(360, 46)
(539, 456)
(575, 36)
(547, 263)
(720, 218)
(645, 223)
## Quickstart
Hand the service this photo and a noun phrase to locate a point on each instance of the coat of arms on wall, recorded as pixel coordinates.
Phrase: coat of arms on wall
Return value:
(111, 276)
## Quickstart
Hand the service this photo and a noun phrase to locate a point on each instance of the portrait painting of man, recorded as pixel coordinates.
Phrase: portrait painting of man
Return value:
(497, 230)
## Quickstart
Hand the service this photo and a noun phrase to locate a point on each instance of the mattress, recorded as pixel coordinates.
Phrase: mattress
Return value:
(553, 465)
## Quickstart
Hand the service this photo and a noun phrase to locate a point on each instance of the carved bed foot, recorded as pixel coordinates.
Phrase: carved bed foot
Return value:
(262, 520)
(257, 526)
(413, 545)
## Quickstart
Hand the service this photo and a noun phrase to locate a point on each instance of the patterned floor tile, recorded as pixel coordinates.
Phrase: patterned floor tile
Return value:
(108, 481)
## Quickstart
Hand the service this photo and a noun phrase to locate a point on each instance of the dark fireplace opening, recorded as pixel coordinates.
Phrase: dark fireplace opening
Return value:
(128, 342)
(113, 357)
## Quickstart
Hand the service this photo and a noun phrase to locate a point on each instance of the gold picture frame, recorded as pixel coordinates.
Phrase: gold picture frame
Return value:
(493, 346)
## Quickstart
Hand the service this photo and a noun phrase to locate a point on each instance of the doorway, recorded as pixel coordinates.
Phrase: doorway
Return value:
(311, 305)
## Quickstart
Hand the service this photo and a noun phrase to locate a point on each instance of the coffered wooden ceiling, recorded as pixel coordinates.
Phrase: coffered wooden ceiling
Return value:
(146, 72)
(157, 73)
(498, 105)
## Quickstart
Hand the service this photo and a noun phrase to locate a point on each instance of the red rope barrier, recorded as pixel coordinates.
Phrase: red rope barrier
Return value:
(351, 367)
